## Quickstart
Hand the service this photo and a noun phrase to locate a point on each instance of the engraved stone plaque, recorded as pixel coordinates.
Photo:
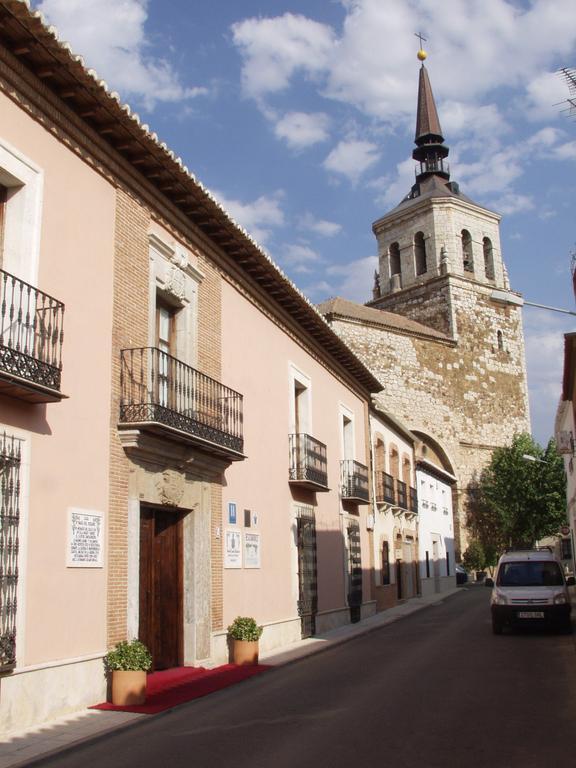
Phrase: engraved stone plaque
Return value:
(85, 538)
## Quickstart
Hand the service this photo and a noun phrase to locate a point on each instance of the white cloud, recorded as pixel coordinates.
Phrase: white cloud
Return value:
(300, 254)
(565, 151)
(274, 49)
(319, 226)
(319, 291)
(544, 138)
(111, 38)
(544, 93)
(392, 190)
(259, 217)
(470, 120)
(511, 203)
(483, 178)
(378, 79)
(301, 130)
(356, 278)
(352, 158)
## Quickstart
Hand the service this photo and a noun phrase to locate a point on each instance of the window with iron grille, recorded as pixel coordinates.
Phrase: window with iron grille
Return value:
(10, 455)
(307, 569)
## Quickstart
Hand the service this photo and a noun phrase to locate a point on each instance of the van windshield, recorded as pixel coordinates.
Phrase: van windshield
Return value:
(530, 574)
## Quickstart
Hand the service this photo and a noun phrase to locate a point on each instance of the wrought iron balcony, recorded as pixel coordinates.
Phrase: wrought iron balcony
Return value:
(401, 494)
(308, 462)
(162, 394)
(31, 336)
(354, 481)
(385, 488)
(413, 501)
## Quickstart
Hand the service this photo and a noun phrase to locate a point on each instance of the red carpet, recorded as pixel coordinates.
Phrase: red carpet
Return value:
(175, 686)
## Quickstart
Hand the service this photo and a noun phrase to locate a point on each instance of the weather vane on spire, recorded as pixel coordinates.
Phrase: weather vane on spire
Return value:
(421, 53)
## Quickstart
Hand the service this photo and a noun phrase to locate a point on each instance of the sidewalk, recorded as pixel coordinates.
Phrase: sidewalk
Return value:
(26, 747)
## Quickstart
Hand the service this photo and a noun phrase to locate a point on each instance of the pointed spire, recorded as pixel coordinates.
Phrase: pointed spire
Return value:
(430, 148)
(427, 122)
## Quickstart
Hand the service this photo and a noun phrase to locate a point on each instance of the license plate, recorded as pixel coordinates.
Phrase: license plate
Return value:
(530, 614)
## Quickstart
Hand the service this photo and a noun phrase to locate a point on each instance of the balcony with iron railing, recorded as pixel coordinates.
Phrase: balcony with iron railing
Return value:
(413, 499)
(31, 337)
(308, 466)
(354, 481)
(162, 394)
(385, 492)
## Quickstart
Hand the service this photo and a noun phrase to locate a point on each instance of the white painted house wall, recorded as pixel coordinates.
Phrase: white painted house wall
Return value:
(436, 531)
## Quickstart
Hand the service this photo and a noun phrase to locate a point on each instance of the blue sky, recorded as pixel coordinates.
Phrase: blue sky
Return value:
(299, 116)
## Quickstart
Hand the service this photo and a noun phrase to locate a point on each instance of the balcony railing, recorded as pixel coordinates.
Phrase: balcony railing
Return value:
(354, 481)
(161, 393)
(31, 336)
(385, 488)
(401, 494)
(308, 462)
(413, 501)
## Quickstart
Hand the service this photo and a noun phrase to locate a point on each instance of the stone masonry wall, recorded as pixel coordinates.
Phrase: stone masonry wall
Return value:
(470, 396)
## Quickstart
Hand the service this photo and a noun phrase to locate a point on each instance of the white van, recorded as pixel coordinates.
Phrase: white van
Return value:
(530, 589)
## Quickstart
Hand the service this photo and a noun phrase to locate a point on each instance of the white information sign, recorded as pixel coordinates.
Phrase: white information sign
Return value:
(251, 550)
(232, 549)
(85, 538)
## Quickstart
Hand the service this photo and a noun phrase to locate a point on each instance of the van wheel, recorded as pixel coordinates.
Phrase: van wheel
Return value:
(496, 627)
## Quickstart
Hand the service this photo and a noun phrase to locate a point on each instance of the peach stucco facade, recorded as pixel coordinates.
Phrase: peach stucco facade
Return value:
(64, 444)
(261, 358)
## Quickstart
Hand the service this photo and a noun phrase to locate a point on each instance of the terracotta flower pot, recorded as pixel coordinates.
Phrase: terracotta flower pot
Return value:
(128, 688)
(245, 652)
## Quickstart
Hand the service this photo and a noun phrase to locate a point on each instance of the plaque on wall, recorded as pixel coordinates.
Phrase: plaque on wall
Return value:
(251, 550)
(85, 547)
(232, 549)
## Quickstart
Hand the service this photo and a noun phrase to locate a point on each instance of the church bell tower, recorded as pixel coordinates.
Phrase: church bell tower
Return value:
(459, 378)
(437, 244)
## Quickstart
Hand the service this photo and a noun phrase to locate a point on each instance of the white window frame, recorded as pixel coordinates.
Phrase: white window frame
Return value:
(22, 226)
(175, 279)
(346, 413)
(296, 376)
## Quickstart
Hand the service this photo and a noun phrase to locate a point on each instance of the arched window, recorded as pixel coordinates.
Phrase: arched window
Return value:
(420, 253)
(394, 462)
(395, 266)
(406, 470)
(488, 258)
(380, 455)
(500, 340)
(467, 260)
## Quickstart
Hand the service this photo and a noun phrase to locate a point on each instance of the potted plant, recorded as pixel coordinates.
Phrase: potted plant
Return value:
(128, 663)
(245, 634)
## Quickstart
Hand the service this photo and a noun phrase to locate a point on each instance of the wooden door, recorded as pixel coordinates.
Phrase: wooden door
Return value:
(161, 585)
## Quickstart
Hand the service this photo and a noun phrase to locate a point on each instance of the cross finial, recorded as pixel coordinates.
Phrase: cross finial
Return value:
(420, 37)
(421, 53)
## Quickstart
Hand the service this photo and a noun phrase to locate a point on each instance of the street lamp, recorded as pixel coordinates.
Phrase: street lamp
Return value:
(528, 457)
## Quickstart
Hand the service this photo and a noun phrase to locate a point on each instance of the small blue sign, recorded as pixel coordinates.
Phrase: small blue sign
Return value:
(232, 513)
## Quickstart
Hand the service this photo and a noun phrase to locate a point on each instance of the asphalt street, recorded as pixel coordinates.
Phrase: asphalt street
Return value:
(434, 689)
